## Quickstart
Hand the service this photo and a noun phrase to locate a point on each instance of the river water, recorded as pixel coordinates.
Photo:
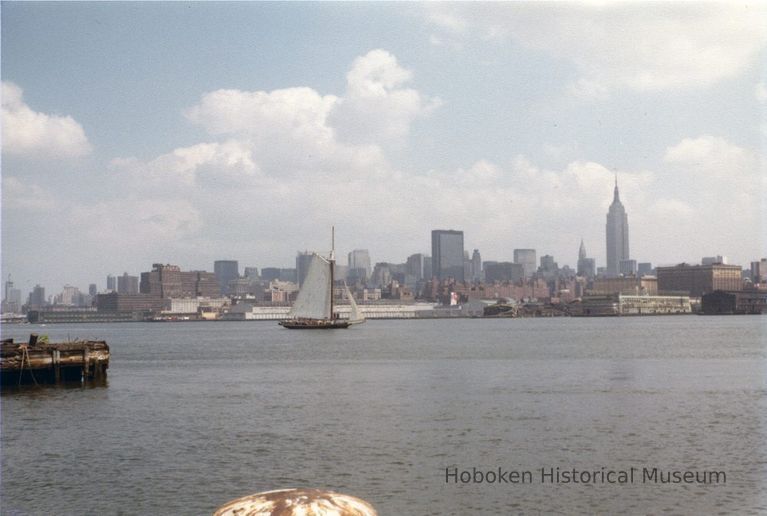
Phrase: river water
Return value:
(196, 414)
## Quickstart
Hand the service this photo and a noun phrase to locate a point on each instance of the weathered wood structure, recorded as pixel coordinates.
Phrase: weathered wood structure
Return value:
(41, 362)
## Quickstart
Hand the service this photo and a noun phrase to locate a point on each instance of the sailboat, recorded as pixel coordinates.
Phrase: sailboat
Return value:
(313, 309)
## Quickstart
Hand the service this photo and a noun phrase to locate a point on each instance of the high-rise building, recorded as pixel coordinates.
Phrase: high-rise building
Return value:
(37, 297)
(627, 267)
(503, 271)
(617, 233)
(476, 266)
(127, 284)
(11, 298)
(759, 271)
(251, 272)
(428, 271)
(359, 265)
(225, 271)
(586, 266)
(644, 269)
(93, 289)
(303, 260)
(162, 281)
(526, 258)
(270, 273)
(111, 283)
(447, 254)
(414, 268)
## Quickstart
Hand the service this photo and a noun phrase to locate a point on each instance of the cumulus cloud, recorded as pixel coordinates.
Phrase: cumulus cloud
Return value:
(623, 45)
(30, 133)
(377, 107)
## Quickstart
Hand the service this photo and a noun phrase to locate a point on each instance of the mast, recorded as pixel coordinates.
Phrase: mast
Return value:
(332, 265)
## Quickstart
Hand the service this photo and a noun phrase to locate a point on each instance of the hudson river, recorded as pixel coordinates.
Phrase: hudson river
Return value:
(196, 414)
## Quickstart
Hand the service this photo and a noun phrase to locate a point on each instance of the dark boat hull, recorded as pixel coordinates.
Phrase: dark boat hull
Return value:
(314, 324)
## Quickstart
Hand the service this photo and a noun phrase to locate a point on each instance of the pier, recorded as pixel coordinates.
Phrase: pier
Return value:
(41, 362)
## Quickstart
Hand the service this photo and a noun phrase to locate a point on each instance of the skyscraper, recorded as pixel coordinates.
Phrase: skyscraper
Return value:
(447, 254)
(359, 265)
(476, 266)
(226, 271)
(617, 233)
(586, 266)
(526, 257)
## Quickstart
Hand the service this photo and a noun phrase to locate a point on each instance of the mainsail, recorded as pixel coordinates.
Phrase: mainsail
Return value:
(313, 300)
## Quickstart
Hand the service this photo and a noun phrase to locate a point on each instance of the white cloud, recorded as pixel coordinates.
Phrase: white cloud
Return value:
(377, 107)
(29, 133)
(760, 92)
(622, 45)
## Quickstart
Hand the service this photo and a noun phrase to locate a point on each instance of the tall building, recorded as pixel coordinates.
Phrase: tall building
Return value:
(162, 281)
(359, 265)
(628, 267)
(251, 272)
(270, 273)
(303, 260)
(37, 297)
(93, 289)
(127, 284)
(503, 271)
(759, 271)
(526, 258)
(226, 271)
(586, 266)
(447, 254)
(414, 268)
(617, 233)
(111, 283)
(11, 299)
(476, 266)
(644, 269)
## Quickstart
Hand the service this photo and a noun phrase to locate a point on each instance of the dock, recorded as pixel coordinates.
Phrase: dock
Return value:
(40, 362)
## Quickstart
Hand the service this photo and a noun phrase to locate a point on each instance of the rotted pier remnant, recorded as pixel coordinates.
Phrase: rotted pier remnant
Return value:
(294, 502)
(41, 362)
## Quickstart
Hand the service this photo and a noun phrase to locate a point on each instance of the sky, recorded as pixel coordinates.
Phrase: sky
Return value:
(183, 133)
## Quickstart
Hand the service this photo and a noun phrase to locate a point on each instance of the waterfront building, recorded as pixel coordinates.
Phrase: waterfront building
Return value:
(114, 302)
(162, 281)
(617, 233)
(225, 271)
(111, 283)
(721, 302)
(628, 267)
(526, 258)
(447, 254)
(626, 304)
(127, 284)
(629, 285)
(697, 280)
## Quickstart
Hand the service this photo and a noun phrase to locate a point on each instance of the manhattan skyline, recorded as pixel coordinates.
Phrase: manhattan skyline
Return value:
(190, 133)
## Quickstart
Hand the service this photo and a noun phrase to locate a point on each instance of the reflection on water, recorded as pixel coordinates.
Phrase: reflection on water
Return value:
(196, 414)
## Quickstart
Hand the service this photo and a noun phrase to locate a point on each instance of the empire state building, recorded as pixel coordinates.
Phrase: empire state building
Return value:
(617, 229)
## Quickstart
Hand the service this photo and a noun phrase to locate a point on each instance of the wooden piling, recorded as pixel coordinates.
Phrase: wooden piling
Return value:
(41, 362)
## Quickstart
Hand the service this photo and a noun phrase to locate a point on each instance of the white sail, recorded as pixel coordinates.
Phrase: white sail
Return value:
(355, 317)
(313, 300)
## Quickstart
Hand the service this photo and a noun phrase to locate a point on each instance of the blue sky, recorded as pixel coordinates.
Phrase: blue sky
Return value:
(187, 132)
